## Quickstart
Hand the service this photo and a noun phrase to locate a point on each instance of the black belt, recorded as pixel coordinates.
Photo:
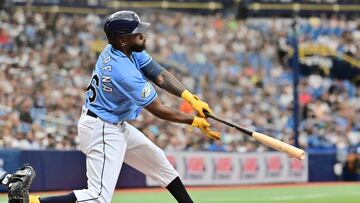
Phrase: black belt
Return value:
(92, 114)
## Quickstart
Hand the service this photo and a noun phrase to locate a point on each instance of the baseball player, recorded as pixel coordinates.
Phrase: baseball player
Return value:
(117, 92)
(18, 183)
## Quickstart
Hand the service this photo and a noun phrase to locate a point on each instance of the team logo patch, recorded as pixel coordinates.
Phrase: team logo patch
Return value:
(146, 91)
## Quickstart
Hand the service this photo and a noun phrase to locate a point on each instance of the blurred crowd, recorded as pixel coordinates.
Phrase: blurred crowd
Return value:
(46, 62)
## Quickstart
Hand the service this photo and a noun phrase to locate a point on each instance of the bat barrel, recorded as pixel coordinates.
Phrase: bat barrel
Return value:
(279, 145)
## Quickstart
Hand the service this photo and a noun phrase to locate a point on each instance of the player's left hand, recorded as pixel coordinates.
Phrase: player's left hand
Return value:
(204, 126)
(196, 103)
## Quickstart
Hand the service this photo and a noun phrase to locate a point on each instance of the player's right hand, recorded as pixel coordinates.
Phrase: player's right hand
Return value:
(204, 126)
(196, 103)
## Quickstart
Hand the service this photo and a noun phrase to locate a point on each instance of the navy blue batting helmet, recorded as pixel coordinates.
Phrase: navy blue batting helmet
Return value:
(124, 23)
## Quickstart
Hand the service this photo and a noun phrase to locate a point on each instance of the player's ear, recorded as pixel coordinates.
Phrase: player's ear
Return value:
(122, 41)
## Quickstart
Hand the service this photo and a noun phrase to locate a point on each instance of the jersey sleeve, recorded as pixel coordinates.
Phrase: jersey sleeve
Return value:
(138, 90)
(143, 58)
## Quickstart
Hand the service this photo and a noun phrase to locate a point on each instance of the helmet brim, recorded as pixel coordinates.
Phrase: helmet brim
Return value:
(141, 28)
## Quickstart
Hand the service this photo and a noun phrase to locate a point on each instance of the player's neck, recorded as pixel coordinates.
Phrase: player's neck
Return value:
(124, 51)
(127, 53)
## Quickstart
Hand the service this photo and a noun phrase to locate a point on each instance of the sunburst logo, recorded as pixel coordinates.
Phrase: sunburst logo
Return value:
(146, 91)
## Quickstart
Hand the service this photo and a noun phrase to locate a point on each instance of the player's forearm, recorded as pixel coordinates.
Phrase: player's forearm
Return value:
(174, 116)
(166, 113)
(168, 82)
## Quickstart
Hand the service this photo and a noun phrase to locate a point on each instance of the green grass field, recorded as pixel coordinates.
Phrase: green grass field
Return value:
(333, 193)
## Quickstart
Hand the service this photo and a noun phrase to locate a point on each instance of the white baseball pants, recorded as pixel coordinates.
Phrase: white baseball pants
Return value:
(106, 147)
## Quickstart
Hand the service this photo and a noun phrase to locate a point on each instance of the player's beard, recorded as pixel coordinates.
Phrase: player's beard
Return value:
(138, 48)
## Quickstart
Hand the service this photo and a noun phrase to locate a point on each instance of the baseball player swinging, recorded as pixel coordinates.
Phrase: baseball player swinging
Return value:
(117, 92)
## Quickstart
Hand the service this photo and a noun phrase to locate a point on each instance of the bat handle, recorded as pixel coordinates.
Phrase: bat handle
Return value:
(208, 114)
(242, 129)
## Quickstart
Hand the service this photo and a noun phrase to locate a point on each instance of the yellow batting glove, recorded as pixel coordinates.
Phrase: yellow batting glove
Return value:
(204, 126)
(196, 103)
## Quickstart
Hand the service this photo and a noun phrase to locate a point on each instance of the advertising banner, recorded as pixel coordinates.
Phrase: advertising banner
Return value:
(208, 168)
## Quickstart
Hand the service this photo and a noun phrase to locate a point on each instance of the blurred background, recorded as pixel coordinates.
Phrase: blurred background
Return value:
(287, 68)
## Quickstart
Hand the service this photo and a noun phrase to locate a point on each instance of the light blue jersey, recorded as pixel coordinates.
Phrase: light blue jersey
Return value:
(118, 89)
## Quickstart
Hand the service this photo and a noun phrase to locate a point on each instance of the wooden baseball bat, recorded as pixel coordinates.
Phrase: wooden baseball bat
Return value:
(265, 139)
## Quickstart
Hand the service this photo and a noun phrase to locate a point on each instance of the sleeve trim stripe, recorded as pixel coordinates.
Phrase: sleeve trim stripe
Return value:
(147, 62)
